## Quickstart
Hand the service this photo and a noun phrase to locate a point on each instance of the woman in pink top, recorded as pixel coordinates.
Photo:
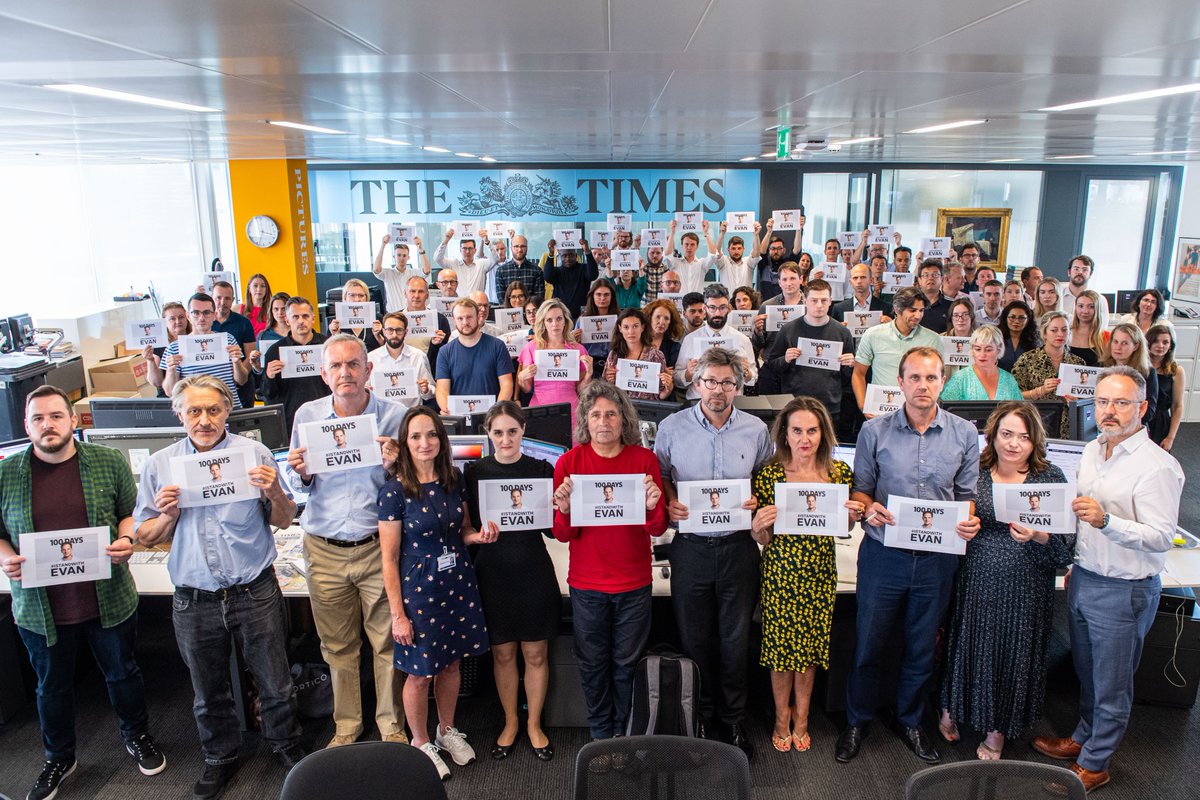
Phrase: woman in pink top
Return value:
(550, 328)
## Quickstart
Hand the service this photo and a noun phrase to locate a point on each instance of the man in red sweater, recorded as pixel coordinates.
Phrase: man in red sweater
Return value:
(609, 572)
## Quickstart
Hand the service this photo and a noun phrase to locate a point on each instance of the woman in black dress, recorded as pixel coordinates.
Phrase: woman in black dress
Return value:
(996, 646)
(521, 600)
(1171, 382)
(1020, 330)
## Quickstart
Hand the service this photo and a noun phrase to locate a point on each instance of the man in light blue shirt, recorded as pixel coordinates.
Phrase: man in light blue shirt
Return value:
(225, 585)
(341, 548)
(714, 574)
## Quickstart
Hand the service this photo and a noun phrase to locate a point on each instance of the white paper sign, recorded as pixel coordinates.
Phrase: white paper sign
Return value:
(217, 477)
(956, 351)
(620, 222)
(343, 443)
(444, 304)
(510, 319)
(402, 234)
(714, 506)
(674, 297)
(926, 524)
(301, 362)
(625, 261)
(1077, 380)
(849, 239)
(601, 240)
(146, 332)
(421, 323)
(597, 330)
(354, 315)
(897, 280)
(498, 229)
(743, 320)
(517, 504)
(514, 343)
(210, 279)
(937, 247)
(976, 299)
(819, 354)
(1041, 506)
(203, 350)
(53, 558)
(653, 237)
(778, 316)
(466, 229)
(859, 322)
(556, 365)
(639, 376)
(686, 221)
(881, 234)
(567, 238)
(471, 403)
(698, 344)
(834, 272)
(395, 383)
(788, 220)
(739, 221)
(811, 508)
(608, 500)
(882, 399)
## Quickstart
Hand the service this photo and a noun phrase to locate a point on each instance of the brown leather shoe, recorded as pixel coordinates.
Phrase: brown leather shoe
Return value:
(1063, 749)
(1091, 780)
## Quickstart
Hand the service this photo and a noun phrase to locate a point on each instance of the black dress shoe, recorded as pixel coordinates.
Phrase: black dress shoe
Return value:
(921, 745)
(544, 753)
(849, 743)
(291, 755)
(503, 751)
(212, 780)
(739, 739)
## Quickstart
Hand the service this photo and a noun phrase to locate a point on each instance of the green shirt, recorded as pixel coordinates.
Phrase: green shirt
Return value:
(882, 347)
(109, 493)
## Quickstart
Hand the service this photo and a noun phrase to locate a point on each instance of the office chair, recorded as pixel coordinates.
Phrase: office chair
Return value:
(364, 771)
(666, 767)
(994, 780)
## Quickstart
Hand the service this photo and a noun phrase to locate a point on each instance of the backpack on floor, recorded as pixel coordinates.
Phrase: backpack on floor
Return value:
(666, 692)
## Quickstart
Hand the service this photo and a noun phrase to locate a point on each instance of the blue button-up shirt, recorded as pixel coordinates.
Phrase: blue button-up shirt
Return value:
(892, 458)
(689, 448)
(343, 505)
(213, 547)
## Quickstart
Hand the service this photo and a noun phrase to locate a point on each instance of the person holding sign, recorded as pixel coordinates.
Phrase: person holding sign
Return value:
(550, 327)
(601, 302)
(473, 363)
(395, 355)
(293, 392)
(430, 339)
(395, 277)
(424, 530)
(995, 679)
(714, 573)
(571, 277)
(919, 451)
(59, 484)
(472, 274)
(717, 306)
(691, 270)
(937, 301)
(341, 543)
(734, 267)
(791, 293)
(861, 300)
(356, 291)
(630, 283)
(226, 591)
(176, 318)
(520, 268)
(666, 328)
(516, 579)
(231, 322)
(881, 348)
(1128, 511)
(1127, 348)
(632, 343)
(202, 311)
(799, 573)
(1089, 328)
(983, 380)
(1037, 370)
(609, 571)
(776, 256)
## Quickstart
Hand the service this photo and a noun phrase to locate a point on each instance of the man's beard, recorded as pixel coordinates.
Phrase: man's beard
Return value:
(395, 344)
(717, 322)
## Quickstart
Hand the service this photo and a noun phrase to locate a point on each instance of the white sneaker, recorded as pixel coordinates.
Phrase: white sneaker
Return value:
(454, 742)
(430, 749)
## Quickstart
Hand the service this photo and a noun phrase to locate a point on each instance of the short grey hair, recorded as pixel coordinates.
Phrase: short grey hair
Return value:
(595, 390)
(720, 357)
(211, 382)
(989, 334)
(1120, 370)
(344, 338)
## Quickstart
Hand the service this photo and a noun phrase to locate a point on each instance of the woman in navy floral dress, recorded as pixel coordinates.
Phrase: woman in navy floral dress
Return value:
(434, 599)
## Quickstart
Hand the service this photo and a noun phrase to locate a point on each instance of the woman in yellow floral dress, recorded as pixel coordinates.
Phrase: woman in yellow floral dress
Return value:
(799, 573)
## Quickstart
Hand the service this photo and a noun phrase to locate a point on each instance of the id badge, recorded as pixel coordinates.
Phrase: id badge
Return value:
(446, 560)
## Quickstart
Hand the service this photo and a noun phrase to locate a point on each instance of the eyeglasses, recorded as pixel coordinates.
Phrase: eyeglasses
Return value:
(713, 383)
(395, 330)
(1015, 318)
(725, 309)
(962, 315)
(1120, 404)
(442, 282)
(198, 313)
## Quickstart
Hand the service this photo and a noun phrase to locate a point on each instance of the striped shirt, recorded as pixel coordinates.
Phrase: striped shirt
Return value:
(223, 371)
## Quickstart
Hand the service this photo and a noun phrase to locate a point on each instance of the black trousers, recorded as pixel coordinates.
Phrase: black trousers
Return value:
(714, 587)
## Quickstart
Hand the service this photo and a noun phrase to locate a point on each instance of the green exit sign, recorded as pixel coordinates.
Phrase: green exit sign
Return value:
(783, 142)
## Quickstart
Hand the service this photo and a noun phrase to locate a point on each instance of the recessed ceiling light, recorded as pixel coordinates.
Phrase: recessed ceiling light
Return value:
(466, 155)
(748, 158)
(488, 159)
(1126, 98)
(433, 149)
(859, 140)
(768, 155)
(1165, 153)
(946, 126)
(396, 142)
(1065, 158)
(112, 94)
(1005, 160)
(301, 126)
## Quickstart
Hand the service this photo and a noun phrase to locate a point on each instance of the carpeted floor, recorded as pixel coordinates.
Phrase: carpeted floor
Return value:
(1152, 762)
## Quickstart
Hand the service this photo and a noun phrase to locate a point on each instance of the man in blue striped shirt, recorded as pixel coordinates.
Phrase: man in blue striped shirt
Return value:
(202, 311)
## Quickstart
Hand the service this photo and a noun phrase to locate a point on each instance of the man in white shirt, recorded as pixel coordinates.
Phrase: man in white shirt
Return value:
(395, 354)
(718, 306)
(734, 268)
(691, 270)
(1128, 509)
(1078, 275)
(395, 278)
(472, 274)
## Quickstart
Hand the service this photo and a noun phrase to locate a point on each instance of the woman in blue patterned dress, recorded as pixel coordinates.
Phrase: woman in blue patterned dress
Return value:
(437, 617)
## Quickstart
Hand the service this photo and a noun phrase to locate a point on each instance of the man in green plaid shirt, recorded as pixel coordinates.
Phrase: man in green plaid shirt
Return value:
(59, 484)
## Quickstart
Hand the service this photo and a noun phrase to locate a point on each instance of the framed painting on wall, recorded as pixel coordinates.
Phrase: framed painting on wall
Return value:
(985, 227)
(1186, 281)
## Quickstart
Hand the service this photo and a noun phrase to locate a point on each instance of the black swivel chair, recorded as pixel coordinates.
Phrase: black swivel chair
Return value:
(994, 780)
(667, 767)
(364, 771)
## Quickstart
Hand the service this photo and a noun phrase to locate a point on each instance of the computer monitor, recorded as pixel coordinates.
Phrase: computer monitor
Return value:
(1081, 425)
(977, 412)
(1125, 300)
(265, 424)
(654, 410)
(135, 444)
(545, 451)
(133, 412)
(765, 406)
(12, 448)
(469, 448)
(550, 423)
(455, 425)
(1065, 454)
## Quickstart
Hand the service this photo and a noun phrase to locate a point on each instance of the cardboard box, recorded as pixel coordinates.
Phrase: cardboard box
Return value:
(126, 374)
(83, 407)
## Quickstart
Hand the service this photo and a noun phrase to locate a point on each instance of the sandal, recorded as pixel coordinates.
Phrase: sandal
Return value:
(802, 743)
(986, 753)
(782, 743)
(949, 732)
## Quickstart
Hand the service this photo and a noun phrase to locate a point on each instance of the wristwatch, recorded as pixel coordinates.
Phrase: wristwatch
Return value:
(1104, 522)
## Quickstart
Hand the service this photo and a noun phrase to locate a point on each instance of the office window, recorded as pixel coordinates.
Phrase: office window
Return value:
(1114, 229)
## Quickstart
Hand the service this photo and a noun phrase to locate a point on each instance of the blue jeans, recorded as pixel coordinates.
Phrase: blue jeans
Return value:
(611, 631)
(55, 668)
(1109, 619)
(903, 589)
(207, 627)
